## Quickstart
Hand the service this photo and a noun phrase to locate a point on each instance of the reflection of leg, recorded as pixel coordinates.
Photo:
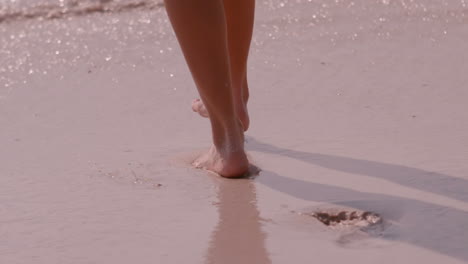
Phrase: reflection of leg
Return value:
(240, 19)
(201, 31)
(238, 237)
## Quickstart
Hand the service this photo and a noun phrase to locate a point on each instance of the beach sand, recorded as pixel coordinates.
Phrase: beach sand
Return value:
(355, 106)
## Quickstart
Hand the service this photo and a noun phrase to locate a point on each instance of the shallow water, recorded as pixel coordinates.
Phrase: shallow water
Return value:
(39, 38)
(72, 29)
(44, 10)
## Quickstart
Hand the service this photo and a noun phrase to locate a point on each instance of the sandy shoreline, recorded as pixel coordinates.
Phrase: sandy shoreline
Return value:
(355, 105)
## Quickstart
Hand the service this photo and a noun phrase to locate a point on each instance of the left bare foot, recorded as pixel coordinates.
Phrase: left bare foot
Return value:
(199, 107)
(241, 109)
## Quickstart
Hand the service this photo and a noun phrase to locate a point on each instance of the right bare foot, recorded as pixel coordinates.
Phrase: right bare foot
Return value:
(229, 164)
(226, 157)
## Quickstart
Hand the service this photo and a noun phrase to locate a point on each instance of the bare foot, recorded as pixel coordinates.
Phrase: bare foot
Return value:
(229, 164)
(241, 109)
(199, 107)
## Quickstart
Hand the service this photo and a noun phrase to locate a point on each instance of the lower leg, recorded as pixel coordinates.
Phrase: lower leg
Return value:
(201, 31)
(240, 20)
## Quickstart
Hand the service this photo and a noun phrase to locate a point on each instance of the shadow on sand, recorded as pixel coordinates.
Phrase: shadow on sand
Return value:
(431, 226)
(434, 182)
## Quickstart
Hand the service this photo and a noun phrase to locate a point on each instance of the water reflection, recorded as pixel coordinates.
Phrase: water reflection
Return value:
(238, 237)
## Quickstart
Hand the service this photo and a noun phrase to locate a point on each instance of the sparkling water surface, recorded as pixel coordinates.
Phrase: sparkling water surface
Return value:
(40, 38)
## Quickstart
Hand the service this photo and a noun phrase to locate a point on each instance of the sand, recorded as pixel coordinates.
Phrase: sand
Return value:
(355, 106)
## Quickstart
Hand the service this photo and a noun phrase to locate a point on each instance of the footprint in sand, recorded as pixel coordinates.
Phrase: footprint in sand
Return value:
(348, 218)
(354, 228)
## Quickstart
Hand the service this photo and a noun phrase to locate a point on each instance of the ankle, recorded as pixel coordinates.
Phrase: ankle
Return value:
(230, 138)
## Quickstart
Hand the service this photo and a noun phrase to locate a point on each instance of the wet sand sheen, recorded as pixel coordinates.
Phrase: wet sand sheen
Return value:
(355, 104)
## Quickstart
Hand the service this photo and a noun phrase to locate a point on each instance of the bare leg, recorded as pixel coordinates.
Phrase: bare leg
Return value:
(240, 20)
(201, 31)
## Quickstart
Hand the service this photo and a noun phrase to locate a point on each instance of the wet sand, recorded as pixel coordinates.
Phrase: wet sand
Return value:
(355, 106)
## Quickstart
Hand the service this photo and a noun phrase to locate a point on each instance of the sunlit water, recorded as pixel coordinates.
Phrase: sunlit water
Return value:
(39, 37)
